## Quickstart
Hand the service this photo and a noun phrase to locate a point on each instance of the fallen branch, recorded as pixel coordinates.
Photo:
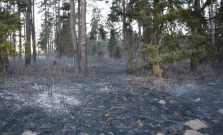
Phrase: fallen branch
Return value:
(117, 108)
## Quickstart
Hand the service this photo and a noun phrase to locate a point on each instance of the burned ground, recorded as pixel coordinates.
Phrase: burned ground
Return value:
(52, 99)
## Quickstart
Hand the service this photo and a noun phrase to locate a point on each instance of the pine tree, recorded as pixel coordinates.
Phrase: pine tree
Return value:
(28, 35)
(74, 37)
(33, 31)
(83, 38)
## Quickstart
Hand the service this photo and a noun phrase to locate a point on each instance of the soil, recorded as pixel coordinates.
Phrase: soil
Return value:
(49, 98)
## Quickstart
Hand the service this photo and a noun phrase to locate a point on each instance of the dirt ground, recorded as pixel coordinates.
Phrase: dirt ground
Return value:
(52, 99)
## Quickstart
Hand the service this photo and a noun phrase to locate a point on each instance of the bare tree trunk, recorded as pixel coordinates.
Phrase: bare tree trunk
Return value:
(74, 37)
(14, 37)
(79, 27)
(194, 58)
(130, 51)
(125, 56)
(20, 38)
(59, 27)
(83, 38)
(33, 32)
(46, 30)
(127, 44)
(212, 23)
(28, 35)
(48, 37)
(14, 42)
(139, 57)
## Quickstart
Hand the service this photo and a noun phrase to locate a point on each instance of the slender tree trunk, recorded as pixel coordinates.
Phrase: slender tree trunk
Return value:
(28, 35)
(138, 55)
(83, 38)
(59, 27)
(24, 28)
(20, 38)
(74, 37)
(212, 22)
(33, 32)
(79, 27)
(48, 37)
(130, 51)
(14, 42)
(55, 28)
(14, 37)
(125, 47)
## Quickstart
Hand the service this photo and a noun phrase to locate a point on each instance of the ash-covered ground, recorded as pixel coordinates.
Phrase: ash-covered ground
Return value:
(52, 99)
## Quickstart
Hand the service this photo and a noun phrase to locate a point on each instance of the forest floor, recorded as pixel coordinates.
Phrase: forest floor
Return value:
(52, 99)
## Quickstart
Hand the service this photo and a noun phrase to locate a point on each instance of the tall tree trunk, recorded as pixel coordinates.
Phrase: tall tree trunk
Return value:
(212, 22)
(33, 32)
(126, 45)
(48, 36)
(194, 58)
(74, 37)
(14, 37)
(14, 42)
(59, 28)
(20, 38)
(130, 51)
(83, 38)
(46, 29)
(139, 44)
(79, 27)
(197, 4)
(28, 35)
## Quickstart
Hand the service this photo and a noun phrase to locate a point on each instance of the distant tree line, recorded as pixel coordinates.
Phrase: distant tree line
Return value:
(168, 31)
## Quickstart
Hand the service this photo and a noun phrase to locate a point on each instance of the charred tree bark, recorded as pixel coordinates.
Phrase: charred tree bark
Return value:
(28, 35)
(74, 37)
(83, 38)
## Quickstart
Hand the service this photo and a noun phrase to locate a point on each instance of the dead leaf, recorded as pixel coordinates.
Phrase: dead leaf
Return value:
(131, 91)
(125, 99)
(100, 115)
(107, 114)
(139, 123)
(122, 118)
(108, 125)
(76, 121)
(65, 129)
(217, 122)
(110, 118)
(32, 124)
(141, 108)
